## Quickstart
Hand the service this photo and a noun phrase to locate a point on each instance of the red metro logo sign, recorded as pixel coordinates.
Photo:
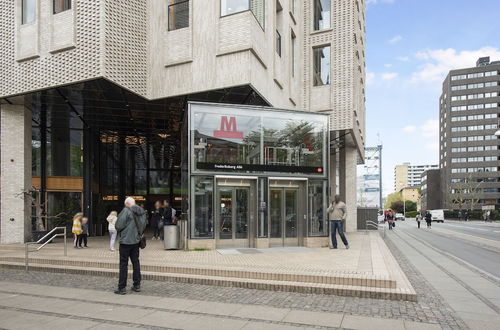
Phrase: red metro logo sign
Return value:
(228, 129)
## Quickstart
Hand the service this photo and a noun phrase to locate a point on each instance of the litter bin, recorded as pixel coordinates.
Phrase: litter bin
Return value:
(171, 237)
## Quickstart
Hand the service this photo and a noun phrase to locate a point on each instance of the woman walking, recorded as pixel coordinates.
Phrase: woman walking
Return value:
(112, 218)
(77, 228)
(390, 219)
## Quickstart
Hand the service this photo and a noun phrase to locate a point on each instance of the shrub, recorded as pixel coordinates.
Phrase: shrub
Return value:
(411, 214)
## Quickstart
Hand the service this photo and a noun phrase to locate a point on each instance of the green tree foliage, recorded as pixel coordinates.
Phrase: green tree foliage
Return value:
(397, 206)
(410, 206)
(391, 199)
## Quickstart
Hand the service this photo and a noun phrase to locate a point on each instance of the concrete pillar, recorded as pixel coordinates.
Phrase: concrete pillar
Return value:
(348, 166)
(15, 173)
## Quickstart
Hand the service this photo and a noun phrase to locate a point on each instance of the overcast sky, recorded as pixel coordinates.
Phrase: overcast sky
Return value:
(411, 46)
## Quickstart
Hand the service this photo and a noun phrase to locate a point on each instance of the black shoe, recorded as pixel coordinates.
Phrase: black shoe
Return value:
(136, 288)
(120, 291)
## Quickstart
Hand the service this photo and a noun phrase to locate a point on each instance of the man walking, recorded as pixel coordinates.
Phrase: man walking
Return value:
(337, 212)
(130, 226)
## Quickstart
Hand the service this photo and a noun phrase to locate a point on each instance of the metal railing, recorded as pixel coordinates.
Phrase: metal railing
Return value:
(371, 224)
(26, 245)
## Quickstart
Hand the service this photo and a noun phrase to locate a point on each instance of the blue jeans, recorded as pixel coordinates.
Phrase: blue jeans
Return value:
(337, 225)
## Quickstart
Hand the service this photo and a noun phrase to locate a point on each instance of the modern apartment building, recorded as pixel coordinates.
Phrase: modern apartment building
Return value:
(409, 176)
(469, 149)
(101, 100)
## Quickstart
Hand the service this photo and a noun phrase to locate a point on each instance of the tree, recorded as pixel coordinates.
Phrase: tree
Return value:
(464, 194)
(392, 198)
(397, 206)
(410, 206)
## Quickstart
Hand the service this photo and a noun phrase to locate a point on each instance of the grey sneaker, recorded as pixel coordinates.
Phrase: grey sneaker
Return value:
(347, 247)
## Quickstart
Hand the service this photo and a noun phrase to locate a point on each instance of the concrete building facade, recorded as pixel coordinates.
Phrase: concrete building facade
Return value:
(79, 76)
(469, 150)
(407, 175)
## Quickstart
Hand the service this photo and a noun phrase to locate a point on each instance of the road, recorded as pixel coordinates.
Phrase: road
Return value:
(463, 240)
(461, 261)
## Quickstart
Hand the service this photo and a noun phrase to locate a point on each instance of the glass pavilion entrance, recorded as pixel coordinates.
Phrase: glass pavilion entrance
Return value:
(257, 177)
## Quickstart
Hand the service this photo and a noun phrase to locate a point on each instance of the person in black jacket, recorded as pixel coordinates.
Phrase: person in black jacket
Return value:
(428, 219)
(156, 220)
(168, 214)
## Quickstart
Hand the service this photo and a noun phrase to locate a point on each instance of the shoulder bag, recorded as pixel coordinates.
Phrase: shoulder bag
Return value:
(142, 242)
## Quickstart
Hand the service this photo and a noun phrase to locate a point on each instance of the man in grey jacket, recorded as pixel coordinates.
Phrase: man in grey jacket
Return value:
(130, 225)
(337, 212)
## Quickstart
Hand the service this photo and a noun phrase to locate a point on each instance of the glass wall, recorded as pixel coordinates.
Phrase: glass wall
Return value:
(229, 139)
(202, 207)
(317, 205)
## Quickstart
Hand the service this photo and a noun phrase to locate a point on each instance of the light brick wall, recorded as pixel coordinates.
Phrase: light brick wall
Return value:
(15, 173)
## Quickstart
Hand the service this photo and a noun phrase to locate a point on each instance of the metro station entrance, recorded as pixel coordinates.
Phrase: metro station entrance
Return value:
(235, 212)
(287, 214)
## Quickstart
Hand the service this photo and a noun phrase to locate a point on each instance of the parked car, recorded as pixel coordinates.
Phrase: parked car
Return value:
(437, 215)
(400, 216)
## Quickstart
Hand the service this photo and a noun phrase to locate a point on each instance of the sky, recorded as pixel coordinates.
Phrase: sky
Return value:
(410, 47)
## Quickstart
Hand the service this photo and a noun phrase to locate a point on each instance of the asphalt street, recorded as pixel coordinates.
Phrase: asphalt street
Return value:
(449, 237)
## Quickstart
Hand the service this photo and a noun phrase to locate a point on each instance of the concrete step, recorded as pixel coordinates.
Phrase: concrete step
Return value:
(248, 283)
(350, 279)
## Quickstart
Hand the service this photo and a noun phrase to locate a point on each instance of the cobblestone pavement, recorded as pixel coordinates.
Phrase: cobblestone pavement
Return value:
(430, 307)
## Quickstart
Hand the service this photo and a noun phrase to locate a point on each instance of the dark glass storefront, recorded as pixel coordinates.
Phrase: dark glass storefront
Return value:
(95, 143)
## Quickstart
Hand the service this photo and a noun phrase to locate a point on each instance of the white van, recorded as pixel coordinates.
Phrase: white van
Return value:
(437, 215)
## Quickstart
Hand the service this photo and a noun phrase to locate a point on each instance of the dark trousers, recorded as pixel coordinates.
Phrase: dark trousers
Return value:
(82, 238)
(336, 225)
(156, 230)
(129, 252)
(418, 222)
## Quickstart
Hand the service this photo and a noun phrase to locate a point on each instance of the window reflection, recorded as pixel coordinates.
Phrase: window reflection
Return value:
(202, 208)
(28, 11)
(230, 139)
(322, 10)
(321, 58)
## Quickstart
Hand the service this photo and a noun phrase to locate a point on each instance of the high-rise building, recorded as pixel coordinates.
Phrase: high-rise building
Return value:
(370, 178)
(469, 150)
(409, 176)
(99, 101)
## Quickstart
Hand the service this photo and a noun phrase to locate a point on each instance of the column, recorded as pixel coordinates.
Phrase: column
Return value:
(348, 163)
(15, 174)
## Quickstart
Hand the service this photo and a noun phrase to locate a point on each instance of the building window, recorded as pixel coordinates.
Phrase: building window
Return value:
(278, 43)
(178, 14)
(28, 11)
(322, 14)
(257, 7)
(321, 64)
(61, 5)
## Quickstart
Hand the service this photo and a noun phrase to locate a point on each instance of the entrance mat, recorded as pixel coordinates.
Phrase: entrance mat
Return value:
(293, 249)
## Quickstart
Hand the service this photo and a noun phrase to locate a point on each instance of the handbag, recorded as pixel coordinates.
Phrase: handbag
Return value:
(142, 242)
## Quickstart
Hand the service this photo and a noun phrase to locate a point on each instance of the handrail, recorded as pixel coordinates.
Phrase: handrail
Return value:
(27, 244)
(373, 224)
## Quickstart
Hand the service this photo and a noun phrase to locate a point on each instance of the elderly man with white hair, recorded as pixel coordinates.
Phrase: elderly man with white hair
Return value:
(130, 226)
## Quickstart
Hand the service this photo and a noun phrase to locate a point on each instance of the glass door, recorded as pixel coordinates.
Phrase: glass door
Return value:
(233, 216)
(283, 215)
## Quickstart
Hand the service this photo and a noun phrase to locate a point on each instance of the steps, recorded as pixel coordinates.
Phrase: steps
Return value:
(340, 284)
